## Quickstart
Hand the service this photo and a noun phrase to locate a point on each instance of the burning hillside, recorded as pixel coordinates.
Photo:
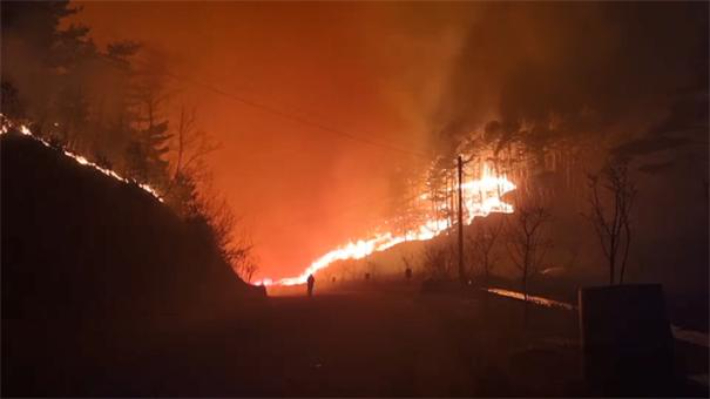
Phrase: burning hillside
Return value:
(7, 125)
(480, 196)
(107, 247)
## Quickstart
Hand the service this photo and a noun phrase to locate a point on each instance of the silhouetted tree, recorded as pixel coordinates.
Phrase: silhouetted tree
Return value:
(149, 144)
(112, 104)
(154, 141)
(246, 266)
(58, 57)
(96, 102)
(481, 245)
(114, 118)
(438, 260)
(611, 200)
(146, 154)
(183, 197)
(190, 145)
(405, 210)
(440, 190)
(527, 241)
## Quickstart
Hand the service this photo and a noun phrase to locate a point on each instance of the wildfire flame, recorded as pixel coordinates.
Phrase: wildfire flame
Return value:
(480, 197)
(6, 125)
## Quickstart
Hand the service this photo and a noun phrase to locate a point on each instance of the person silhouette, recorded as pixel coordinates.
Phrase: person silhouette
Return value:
(311, 283)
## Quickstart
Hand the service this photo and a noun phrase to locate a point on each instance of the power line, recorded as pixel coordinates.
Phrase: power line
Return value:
(305, 121)
(293, 117)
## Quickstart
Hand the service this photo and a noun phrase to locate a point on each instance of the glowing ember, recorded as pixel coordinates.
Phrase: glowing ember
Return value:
(481, 197)
(6, 125)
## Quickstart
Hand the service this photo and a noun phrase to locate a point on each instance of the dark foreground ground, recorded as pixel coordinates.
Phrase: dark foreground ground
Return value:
(358, 343)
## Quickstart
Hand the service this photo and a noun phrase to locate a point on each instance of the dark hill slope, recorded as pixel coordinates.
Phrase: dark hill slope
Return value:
(76, 242)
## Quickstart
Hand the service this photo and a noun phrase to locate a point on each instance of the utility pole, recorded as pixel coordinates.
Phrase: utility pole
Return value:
(462, 272)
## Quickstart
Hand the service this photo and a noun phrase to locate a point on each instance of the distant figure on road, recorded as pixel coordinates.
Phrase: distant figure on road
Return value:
(311, 282)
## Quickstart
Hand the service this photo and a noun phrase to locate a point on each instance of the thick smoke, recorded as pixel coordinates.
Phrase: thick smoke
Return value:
(575, 68)
(630, 78)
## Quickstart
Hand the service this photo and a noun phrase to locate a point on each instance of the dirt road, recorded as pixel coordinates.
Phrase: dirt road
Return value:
(347, 344)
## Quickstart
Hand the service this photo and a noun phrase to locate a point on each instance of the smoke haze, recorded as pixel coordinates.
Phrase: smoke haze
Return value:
(415, 76)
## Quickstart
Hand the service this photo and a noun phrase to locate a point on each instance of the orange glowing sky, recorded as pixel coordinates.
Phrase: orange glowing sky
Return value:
(372, 70)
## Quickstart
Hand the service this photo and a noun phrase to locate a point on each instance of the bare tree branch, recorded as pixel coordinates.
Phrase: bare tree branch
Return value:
(527, 242)
(612, 228)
